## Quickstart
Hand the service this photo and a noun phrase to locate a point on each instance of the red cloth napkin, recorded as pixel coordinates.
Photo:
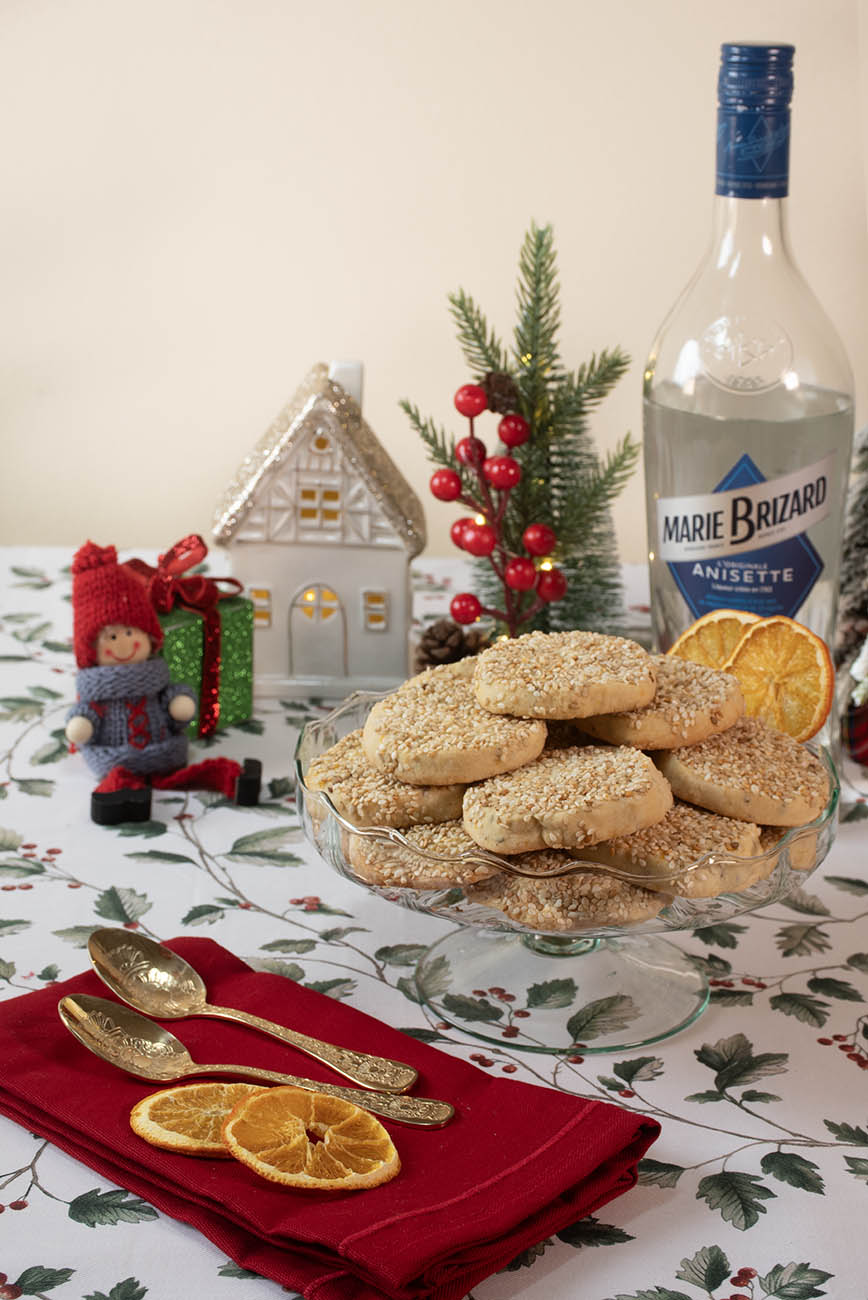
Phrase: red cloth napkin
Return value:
(517, 1164)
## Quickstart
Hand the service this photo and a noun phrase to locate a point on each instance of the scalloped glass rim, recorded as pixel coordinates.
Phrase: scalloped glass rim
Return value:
(327, 830)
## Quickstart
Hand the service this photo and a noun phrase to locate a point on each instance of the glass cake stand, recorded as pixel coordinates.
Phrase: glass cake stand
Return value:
(595, 989)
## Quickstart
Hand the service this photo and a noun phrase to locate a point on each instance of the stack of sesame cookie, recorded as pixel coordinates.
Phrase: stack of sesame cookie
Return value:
(557, 746)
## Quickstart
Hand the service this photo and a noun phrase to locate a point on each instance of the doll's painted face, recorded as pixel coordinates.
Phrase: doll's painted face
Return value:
(119, 644)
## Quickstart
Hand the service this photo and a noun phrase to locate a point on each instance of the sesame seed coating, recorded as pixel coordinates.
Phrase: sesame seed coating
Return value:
(565, 799)
(750, 772)
(432, 731)
(685, 835)
(801, 849)
(566, 902)
(692, 703)
(563, 675)
(368, 797)
(392, 864)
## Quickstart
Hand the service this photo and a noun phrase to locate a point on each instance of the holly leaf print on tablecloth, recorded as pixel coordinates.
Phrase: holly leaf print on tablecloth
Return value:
(129, 1289)
(850, 884)
(38, 1279)
(853, 1134)
(53, 750)
(803, 1006)
(834, 988)
(156, 855)
(724, 934)
(266, 848)
(790, 1168)
(401, 954)
(35, 579)
(739, 1197)
(793, 1282)
(203, 914)
(708, 1268)
(147, 829)
(734, 1063)
(106, 1209)
(590, 1232)
(471, 1009)
(122, 905)
(802, 940)
(858, 1167)
(657, 1173)
(602, 1016)
(552, 994)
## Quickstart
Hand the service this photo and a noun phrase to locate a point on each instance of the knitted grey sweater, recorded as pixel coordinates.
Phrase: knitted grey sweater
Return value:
(128, 707)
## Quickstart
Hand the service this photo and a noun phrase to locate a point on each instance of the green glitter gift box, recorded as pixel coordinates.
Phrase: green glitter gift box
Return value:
(183, 650)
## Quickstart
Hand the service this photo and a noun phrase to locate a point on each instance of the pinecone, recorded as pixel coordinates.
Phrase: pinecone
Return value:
(445, 642)
(501, 391)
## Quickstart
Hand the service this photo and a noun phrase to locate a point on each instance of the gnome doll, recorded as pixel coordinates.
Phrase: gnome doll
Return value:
(129, 721)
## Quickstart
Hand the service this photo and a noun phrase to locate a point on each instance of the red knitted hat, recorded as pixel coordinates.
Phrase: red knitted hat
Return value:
(104, 592)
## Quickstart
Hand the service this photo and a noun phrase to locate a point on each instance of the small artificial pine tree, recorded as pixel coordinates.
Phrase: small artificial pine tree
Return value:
(853, 604)
(563, 485)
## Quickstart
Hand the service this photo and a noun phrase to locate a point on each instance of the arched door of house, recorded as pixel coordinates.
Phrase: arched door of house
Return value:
(317, 633)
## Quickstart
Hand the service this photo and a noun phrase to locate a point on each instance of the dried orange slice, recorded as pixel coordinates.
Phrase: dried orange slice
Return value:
(307, 1139)
(786, 676)
(712, 638)
(189, 1119)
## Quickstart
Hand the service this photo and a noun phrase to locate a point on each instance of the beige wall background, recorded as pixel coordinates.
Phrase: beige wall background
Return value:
(201, 198)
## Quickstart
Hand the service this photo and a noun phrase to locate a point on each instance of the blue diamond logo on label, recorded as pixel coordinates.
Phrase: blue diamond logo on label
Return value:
(773, 580)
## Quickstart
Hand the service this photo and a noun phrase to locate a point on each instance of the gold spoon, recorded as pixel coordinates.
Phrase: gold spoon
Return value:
(155, 980)
(138, 1045)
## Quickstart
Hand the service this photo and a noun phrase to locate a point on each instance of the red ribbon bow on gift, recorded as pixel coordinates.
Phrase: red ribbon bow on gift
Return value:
(167, 586)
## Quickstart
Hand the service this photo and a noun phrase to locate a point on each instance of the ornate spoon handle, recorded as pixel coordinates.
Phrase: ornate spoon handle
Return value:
(375, 1072)
(421, 1112)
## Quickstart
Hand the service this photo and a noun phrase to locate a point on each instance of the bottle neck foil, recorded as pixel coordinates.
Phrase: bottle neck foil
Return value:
(753, 152)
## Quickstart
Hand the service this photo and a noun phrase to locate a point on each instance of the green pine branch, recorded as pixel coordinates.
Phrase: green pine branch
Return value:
(539, 317)
(441, 448)
(564, 481)
(597, 377)
(590, 498)
(482, 349)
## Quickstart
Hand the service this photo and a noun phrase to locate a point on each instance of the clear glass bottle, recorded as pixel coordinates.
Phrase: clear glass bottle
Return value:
(748, 395)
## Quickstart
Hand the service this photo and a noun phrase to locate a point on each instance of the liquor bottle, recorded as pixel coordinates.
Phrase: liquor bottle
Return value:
(748, 395)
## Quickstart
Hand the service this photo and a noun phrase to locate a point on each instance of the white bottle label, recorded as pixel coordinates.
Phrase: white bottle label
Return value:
(714, 525)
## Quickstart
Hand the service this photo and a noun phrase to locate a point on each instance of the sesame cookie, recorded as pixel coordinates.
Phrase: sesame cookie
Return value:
(683, 836)
(432, 731)
(801, 849)
(392, 864)
(367, 797)
(749, 772)
(564, 675)
(566, 902)
(565, 799)
(692, 703)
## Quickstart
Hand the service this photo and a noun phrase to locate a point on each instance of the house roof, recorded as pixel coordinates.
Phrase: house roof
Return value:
(319, 401)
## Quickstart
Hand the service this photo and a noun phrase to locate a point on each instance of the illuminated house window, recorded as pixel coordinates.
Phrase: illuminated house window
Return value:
(321, 442)
(261, 598)
(319, 506)
(375, 611)
(318, 603)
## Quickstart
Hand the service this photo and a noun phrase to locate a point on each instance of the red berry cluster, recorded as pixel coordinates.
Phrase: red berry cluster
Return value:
(744, 1277)
(847, 1043)
(481, 535)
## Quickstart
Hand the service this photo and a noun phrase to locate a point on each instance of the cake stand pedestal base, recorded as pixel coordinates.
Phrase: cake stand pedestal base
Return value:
(552, 993)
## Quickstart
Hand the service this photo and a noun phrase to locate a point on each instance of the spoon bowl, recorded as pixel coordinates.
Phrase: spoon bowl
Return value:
(135, 1044)
(153, 979)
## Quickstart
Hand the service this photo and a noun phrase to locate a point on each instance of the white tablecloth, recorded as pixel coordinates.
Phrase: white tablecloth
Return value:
(763, 1158)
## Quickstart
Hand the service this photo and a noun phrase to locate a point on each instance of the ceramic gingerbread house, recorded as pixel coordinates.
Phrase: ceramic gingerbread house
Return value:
(322, 526)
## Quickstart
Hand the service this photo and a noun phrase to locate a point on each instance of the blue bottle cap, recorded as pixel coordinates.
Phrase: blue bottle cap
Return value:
(755, 75)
